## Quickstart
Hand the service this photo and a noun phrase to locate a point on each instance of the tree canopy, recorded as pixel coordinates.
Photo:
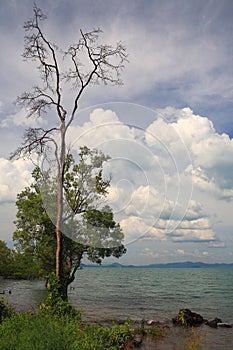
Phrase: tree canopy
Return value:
(72, 71)
(88, 226)
(6, 260)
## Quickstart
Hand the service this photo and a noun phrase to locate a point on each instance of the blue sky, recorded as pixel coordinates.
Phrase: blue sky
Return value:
(171, 120)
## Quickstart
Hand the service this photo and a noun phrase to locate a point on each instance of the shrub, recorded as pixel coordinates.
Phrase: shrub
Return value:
(156, 331)
(36, 332)
(54, 304)
(5, 310)
(103, 338)
(43, 331)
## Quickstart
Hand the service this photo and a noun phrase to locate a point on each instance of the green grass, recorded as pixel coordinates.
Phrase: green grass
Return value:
(45, 332)
(58, 326)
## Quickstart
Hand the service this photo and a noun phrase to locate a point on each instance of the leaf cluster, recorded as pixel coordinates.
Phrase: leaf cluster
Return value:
(6, 260)
(88, 226)
(5, 310)
(84, 185)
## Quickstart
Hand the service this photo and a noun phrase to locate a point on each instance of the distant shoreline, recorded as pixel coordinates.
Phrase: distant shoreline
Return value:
(187, 264)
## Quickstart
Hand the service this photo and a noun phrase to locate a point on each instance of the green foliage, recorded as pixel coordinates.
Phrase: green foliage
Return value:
(54, 304)
(142, 327)
(155, 331)
(5, 310)
(102, 338)
(35, 242)
(88, 228)
(36, 332)
(6, 260)
(119, 334)
(26, 266)
(84, 184)
(44, 331)
(181, 317)
(99, 228)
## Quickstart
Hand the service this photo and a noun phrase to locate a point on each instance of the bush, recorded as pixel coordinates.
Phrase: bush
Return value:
(102, 338)
(36, 332)
(41, 331)
(156, 331)
(57, 325)
(5, 310)
(54, 304)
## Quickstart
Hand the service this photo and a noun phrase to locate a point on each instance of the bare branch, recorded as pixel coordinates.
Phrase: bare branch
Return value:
(37, 102)
(104, 61)
(35, 140)
(38, 48)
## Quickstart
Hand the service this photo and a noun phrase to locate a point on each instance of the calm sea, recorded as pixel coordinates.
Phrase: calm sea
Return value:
(151, 293)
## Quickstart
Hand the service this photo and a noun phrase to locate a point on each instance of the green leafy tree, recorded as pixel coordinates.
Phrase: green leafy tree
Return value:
(35, 245)
(62, 72)
(6, 260)
(88, 227)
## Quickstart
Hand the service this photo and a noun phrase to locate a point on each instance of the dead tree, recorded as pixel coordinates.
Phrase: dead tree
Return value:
(89, 63)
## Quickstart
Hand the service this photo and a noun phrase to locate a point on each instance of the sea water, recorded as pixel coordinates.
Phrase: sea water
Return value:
(108, 294)
(152, 293)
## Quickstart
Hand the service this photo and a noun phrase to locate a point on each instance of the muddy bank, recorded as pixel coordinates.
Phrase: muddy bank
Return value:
(168, 336)
(203, 338)
(186, 331)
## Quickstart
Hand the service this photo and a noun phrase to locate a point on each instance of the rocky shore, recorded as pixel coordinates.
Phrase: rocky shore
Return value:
(182, 332)
(186, 317)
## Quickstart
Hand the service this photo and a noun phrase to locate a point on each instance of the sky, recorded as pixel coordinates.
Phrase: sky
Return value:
(168, 128)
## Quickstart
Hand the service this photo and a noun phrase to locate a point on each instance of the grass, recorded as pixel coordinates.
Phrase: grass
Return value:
(57, 325)
(42, 331)
(60, 327)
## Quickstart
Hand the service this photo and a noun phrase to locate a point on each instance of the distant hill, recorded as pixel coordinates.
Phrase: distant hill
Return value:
(187, 264)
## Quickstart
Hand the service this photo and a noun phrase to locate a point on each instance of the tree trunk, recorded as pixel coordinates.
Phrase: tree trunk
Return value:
(60, 202)
(67, 279)
(63, 289)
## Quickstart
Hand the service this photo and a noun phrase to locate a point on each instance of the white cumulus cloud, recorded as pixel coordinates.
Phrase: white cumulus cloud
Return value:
(20, 119)
(14, 176)
(157, 172)
(159, 175)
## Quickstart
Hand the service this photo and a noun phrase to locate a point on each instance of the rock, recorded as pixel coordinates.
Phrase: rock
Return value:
(214, 323)
(186, 317)
(150, 322)
(153, 323)
(224, 325)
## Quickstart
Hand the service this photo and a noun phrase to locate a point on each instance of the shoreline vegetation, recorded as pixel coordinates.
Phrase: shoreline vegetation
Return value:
(59, 326)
